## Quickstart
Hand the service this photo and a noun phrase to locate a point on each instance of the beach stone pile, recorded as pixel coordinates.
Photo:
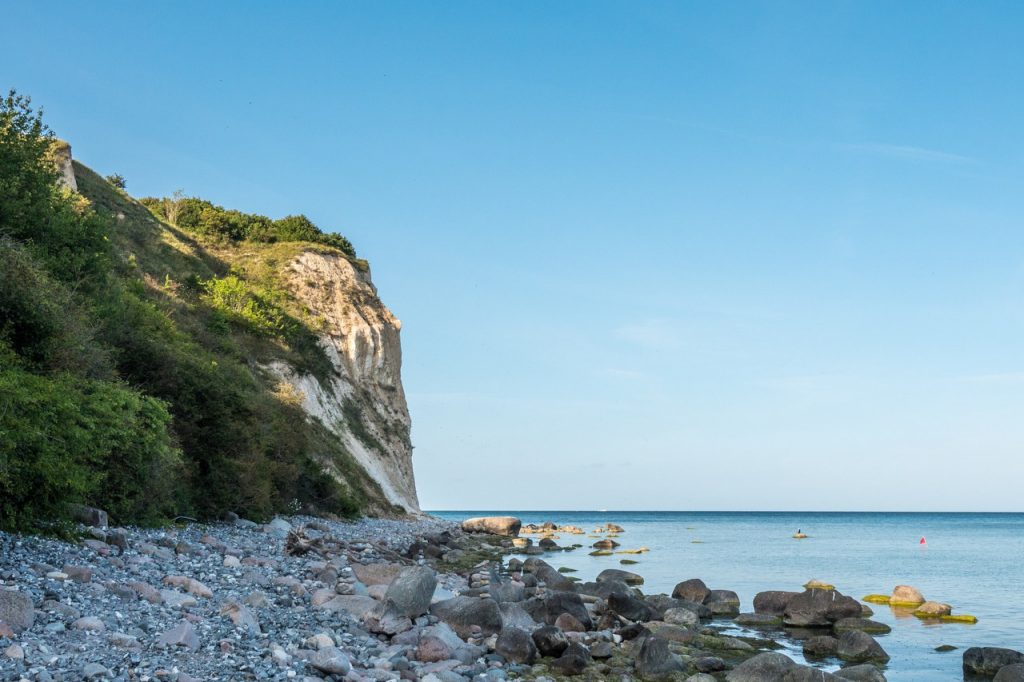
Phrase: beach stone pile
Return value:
(307, 599)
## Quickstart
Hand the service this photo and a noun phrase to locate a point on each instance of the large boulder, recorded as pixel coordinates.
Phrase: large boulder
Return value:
(631, 608)
(773, 602)
(550, 641)
(495, 525)
(16, 610)
(573, 660)
(387, 619)
(905, 595)
(655, 658)
(411, 590)
(819, 608)
(558, 603)
(603, 589)
(513, 615)
(860, 647)
(463, 613)
(1010, 673)
(723, 602)
(865, 672)
(862, 624)
(662, 603)
(547, 573)
(693, 589)
(987, 660)
(766, 667)
(377, 574)
(621, 576)
(516, 646)
(820, 646)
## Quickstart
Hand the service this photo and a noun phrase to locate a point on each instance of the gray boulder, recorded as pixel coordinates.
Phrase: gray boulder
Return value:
(16, 610)
(766, 667)
(820, 646)
(463, 613)
(681, 616)
(387, 619)
(604, 588)
(987, 660)
(862, 624)
(557, 603)
(820, 608)
(516, 646)
(631, 608)
(655, 658)
(865, 672)
(183, 635)
(550, 641)
(411, 590)
(331, 660)
(515, 616)
(1010, 673)
(860, 647)
(723, 602)
(573, 661)
(662, 603)
(619, 575)
(773, 602)
(758, 620)
(693, 589)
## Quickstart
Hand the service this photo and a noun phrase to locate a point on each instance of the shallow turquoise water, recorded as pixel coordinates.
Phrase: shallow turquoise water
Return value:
(975, 562)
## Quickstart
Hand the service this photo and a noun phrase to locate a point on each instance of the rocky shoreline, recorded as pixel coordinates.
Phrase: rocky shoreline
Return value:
(312, 599)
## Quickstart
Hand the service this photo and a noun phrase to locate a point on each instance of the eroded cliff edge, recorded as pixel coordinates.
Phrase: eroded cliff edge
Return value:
(363, 404)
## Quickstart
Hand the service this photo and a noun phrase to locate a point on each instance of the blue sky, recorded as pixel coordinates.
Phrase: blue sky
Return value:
(690, 255)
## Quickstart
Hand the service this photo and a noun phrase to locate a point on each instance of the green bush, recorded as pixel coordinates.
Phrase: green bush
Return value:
(206, 218)
(67, 439)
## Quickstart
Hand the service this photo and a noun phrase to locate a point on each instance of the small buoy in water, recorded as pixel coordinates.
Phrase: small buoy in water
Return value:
(922, 541)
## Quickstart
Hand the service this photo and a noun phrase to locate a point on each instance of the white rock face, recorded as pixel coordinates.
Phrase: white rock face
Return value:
(361, 337)
(61, 153)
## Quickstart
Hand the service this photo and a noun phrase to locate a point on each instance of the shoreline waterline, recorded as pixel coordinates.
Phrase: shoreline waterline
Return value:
(972, 561)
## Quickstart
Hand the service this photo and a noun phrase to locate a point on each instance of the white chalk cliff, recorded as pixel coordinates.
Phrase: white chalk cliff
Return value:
(363, 404)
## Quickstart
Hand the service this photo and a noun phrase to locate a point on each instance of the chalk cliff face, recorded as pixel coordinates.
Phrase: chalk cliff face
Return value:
(364, 403)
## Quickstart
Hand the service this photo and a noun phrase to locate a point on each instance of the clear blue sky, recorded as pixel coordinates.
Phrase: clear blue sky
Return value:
(689, 255)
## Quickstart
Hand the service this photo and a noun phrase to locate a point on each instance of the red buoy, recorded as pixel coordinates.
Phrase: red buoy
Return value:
(922, 541)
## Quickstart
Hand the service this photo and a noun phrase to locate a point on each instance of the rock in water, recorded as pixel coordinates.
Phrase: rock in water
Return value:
(820, 608)
(693, 589)
(933, 609)
(1010, 673)
(550, 641)
(905, 595)
(16, 610)
(860, 647)
(619, 575)
(654, 658)
(516, 646)
(496, 525)
(767, 667)
(723, 602)
(987, 660)
(462, 613)
(865, 672)
(821, 646)
(412, 589)
(773, 602)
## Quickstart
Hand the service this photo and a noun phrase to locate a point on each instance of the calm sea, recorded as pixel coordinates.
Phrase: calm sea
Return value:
(975, 562)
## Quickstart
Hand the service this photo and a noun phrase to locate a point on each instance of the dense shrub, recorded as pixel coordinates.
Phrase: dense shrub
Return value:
(206, 218)
(66, 439)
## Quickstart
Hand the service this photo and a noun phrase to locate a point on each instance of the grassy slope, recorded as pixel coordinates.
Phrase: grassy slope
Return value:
(167, 267)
